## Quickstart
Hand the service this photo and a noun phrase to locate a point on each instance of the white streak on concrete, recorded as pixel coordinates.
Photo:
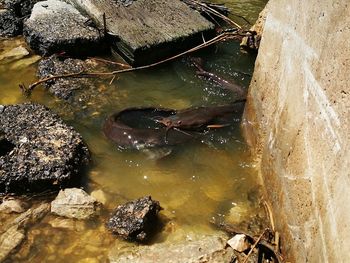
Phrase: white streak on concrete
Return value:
(327, 112)
(276, 26)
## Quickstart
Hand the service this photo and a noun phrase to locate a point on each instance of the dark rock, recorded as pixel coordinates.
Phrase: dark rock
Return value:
(10, 25)
(135, 220)
(65, 88)
(21, 8)
(56, 26)
(5, 146)
(47, 153)
(12, 14)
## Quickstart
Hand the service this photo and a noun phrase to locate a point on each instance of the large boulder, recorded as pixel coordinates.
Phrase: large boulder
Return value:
(42, 152)
(55, 26)
(12, 13)
(135, 220)
(74, 203)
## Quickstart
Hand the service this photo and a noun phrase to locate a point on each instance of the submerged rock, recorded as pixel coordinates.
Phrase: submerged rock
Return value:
(14, 54)
(135, 220)
(12, 206)
(199, 249)
(12, 14)
(66, 223)
(55, 26)
(43, 152)
(100, 196)
(15, 231)
(10, 240)
(65, 88)
(74, 203)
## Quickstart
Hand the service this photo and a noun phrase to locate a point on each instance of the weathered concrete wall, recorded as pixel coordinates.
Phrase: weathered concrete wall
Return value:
(298, 123)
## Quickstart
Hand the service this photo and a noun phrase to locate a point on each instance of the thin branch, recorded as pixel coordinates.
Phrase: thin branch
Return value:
(219, 38)
(245, 19)
(213, 11)
(113, 78)
(269, 212)
(255, 244)
(110, 62)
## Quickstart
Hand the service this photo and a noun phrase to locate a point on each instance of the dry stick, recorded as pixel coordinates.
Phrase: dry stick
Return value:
(269, 211)
(104, 24)
(113, 78)
(255, 244)
(221, 37)
(110, 62)
(245, 19)
(213, 11)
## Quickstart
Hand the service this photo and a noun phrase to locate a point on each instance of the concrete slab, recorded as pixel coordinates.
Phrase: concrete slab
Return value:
(145, 31)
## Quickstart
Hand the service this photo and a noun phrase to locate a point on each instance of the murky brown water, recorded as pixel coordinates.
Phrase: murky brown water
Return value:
(196, 182)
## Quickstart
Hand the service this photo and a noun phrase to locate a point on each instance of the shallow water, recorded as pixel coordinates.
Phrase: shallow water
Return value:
(196, 182)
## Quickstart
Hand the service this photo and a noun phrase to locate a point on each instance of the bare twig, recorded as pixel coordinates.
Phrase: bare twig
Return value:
(219, 38)
(245, 19)
(28, 90)
(110, 62)
(269, 212)
(211, 10)
(113, 78)
(104, 24)
(255, 244)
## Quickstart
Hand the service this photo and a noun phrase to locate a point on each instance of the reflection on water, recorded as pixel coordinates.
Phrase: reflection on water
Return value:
(196, 182)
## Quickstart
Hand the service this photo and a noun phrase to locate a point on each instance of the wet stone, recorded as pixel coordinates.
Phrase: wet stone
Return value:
(10, 240)
(46, 153)
(55, 26)
(67, 223)
(15, 231)
(239, 243)
(135, 220)
(74, 203)
(14, 54)
(100, 196)
(65, 88)
(12, 206)
(198, 249)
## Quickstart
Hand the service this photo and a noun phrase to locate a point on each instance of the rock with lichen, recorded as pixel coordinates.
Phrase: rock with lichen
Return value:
(65, 88)
(135, 220)
(42, 151)
(55, 26)
(12, 14)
